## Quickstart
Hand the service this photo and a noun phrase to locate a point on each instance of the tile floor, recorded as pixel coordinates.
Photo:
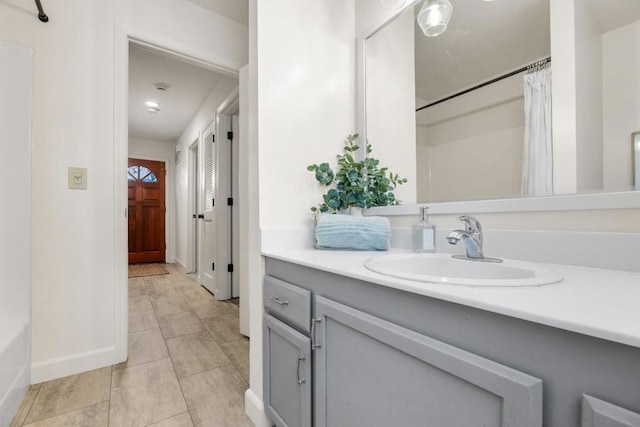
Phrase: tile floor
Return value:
(188, 366)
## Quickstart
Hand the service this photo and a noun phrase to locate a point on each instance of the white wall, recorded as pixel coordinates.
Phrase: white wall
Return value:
(391, 91)
(16, 73)
(589, 92)
(161, 151)
(423, 189)
(302, 56)
(621, 103)
(73, 114)
(305, 100)
(204, 116)
(470, 147)
(563, 93)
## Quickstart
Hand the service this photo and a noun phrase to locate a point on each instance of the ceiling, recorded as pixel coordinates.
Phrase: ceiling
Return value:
(236, 10)
(484, 39)
(189, 86)
(612, 14)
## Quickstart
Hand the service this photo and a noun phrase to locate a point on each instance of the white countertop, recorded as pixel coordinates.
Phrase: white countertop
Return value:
(596, 302)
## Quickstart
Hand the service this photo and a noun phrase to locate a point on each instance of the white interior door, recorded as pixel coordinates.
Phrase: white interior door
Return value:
(223, 209)
(208, 220)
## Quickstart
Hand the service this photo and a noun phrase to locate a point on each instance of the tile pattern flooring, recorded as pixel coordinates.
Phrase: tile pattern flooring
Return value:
(188, 366)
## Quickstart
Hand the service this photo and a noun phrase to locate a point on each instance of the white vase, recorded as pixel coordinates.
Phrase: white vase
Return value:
(355, 211)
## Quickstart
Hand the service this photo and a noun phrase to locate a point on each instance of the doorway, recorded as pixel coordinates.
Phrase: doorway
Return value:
(146, 211)
(183, 199)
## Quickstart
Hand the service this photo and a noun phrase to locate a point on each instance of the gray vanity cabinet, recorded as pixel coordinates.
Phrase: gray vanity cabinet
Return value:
(598, 413)
(287, 374)
(385, 357)
(370, 372)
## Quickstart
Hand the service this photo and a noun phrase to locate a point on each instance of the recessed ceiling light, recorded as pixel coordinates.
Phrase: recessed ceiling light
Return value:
(152, 104)
(163, 87)
(152, 110)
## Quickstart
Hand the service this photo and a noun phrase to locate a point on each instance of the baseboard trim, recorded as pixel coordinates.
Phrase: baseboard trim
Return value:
(10, 403)
(184, 267)
(74, 364)
(254, 408)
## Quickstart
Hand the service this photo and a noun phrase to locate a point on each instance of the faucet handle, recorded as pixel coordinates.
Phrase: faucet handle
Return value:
(472, 225)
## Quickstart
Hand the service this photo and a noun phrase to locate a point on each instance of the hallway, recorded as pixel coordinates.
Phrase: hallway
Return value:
(188, 366)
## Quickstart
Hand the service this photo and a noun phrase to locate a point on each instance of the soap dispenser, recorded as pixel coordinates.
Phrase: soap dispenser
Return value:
(424, 233)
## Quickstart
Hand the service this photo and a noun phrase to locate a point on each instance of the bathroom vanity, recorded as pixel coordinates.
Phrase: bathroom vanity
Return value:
(347, 347)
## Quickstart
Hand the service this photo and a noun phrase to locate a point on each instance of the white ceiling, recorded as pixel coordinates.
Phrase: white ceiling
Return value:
(190, 85)
(484, 40)
(612, 14)
(236, 10)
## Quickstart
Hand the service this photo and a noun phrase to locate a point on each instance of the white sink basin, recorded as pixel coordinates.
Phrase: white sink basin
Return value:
(442, 268)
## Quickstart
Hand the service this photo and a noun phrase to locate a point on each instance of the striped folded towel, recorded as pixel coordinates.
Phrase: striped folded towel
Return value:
(362, 233)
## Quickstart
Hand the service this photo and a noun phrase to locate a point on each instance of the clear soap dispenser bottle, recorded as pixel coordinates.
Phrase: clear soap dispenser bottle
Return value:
(424, 233)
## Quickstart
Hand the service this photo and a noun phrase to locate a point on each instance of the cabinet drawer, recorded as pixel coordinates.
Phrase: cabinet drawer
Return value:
(289, 302)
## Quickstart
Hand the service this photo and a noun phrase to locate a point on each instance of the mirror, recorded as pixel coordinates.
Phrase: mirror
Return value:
(450, 112)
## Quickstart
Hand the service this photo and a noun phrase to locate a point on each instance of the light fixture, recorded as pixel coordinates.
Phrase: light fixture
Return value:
(152, 110)
(434, 16)
(152, 104)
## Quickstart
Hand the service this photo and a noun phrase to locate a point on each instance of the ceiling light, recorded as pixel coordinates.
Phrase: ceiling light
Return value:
(434, 17)
(152, 110)
(163, 87)
(152, 104)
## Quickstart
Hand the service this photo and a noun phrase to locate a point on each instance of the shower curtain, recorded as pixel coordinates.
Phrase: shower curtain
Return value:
(537, 167)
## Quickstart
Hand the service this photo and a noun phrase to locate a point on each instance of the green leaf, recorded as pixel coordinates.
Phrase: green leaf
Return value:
(356, 183)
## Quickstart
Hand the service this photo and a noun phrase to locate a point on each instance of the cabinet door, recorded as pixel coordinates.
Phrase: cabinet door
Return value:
(598, 413)
(287, 374)
(370, 372)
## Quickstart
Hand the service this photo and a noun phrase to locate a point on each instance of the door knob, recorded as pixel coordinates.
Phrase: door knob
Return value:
(201, 216)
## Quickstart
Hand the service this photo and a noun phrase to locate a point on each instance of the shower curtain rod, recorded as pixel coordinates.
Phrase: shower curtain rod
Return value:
(538, 63)
(41, 15)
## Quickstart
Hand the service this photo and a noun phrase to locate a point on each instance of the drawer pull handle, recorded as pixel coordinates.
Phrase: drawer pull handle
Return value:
(314, 341)
(300, 380)
(277, 300)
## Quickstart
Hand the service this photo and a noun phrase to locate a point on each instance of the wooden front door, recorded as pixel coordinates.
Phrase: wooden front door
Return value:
(146, 211)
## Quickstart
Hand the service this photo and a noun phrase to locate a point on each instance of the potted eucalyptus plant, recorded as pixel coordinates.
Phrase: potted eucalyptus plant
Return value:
(358, 184)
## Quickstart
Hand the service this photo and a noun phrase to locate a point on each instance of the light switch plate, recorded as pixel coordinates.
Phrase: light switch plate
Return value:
(78, 178)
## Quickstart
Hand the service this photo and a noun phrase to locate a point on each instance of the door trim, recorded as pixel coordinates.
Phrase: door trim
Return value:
(123, 35)
(192, 183)
(223, 179)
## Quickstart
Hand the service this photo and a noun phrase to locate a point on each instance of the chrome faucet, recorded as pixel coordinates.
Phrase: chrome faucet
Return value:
(472, 238)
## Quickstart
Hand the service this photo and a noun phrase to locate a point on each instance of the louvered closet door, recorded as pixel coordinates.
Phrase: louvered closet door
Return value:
(209, 227)
(146, 211)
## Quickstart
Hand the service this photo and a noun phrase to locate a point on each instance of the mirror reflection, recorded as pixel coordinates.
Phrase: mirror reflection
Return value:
(497, 99)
